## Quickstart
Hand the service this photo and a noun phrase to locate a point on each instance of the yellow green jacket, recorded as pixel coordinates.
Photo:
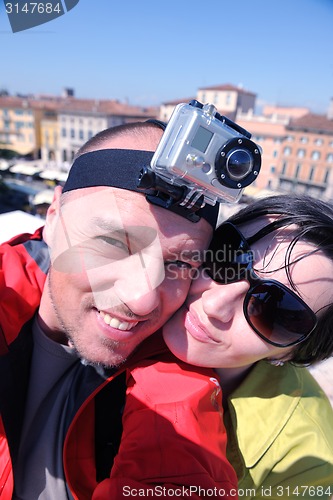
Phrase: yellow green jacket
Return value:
(280, 435)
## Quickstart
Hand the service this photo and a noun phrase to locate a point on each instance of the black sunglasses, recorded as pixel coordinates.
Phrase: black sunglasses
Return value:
(277, 314)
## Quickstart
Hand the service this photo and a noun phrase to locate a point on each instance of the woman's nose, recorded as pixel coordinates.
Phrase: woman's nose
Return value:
(218, 300)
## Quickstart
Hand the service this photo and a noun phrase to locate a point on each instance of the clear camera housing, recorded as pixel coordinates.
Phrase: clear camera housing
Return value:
(206, 152)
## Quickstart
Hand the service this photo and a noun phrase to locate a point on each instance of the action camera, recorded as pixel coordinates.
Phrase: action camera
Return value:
(203, 157)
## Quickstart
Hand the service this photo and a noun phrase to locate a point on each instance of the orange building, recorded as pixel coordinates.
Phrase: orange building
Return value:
(268, 129)
(306, 161)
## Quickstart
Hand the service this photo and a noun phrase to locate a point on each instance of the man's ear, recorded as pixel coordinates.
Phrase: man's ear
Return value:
(52, 216)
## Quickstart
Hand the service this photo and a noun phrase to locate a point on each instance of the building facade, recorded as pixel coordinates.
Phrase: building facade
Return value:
(81, 119)
(54, 128)
(297, 146)
(268, 130)
(306, 160)
(18, 120)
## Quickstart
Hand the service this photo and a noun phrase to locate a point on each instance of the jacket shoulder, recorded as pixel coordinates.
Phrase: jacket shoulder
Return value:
(24, 261)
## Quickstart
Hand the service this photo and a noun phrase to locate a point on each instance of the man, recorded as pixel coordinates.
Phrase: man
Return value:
(119, 268)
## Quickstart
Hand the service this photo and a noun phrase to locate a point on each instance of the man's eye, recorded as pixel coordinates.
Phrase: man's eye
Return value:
(108, 240)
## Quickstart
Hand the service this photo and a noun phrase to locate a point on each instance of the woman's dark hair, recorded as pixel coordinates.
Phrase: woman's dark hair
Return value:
(314, 220)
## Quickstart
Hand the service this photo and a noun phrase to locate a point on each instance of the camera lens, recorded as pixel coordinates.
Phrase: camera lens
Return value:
(239, 164)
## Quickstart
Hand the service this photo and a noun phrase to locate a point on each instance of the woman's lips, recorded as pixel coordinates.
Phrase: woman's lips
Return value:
(196, 330)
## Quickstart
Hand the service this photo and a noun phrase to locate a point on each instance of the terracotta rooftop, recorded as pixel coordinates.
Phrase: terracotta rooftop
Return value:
(71, 104)
(312, 123)
(106, 107)
(31, 102)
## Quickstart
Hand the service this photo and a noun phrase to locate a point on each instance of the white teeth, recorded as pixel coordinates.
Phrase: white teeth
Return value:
(115, 323)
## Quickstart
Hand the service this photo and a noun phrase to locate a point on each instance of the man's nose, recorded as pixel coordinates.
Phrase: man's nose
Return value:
(139, 296)
(139, 288)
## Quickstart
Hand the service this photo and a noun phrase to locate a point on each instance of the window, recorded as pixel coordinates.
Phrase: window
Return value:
(273, 169)
(287, 151)
(284, 168)
(312, 172)
(318, 142)
(90, 134)
(63, 132)
(329, 157)
(72, 133)
(303, 140)
(275, 153)
(301, 153)
(64, 155)
(315, 155)
(290, 138)
(327, 173)
(81, 135)
(297, 171)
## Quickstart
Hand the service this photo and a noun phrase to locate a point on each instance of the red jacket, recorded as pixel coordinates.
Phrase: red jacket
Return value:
(173, 435)
(24, 262)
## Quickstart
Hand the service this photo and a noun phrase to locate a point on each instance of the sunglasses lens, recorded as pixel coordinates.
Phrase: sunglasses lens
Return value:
(228, 256)
(278, 315)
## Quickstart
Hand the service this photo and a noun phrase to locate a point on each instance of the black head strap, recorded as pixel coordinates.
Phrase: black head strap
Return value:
(122, 168)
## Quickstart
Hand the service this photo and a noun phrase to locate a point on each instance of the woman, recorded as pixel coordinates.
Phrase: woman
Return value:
(262, 306)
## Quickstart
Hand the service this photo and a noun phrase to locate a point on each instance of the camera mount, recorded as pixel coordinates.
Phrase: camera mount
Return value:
(182, 200)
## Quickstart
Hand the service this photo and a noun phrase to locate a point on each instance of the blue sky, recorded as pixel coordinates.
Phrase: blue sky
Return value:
(149, 52)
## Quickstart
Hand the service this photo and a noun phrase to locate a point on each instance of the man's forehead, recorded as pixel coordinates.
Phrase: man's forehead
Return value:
(107, 209)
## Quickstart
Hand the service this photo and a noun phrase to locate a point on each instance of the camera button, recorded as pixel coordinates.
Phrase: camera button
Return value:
(194, 160)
